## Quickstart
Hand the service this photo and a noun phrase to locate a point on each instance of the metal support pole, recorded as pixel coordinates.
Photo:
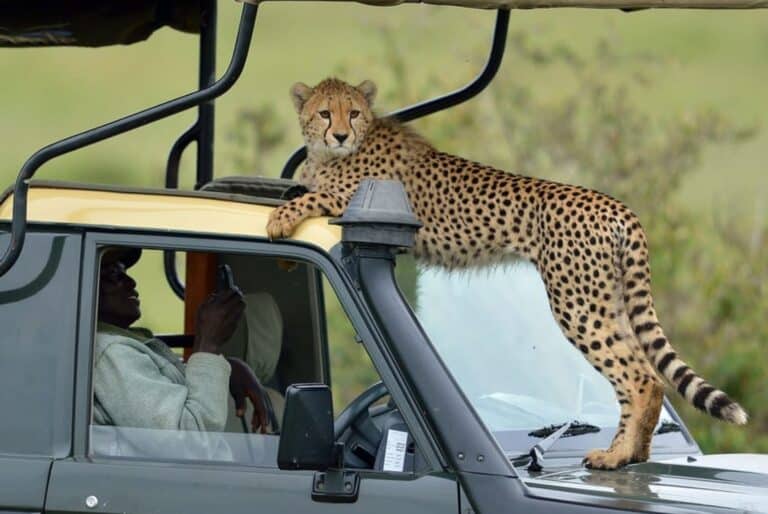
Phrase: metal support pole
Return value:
(205, 117)
(201, 132)
(172, 182)
(174, 156)
(89, 137)
(443, 102)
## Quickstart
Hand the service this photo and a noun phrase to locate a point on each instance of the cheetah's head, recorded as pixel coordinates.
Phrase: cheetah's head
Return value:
(334, 116)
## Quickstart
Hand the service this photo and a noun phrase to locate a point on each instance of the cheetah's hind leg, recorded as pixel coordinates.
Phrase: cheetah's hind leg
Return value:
(594, 327)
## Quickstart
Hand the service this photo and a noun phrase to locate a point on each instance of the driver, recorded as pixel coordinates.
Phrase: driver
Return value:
(139, 381)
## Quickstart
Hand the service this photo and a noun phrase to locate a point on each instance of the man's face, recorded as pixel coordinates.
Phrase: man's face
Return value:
(118, 298)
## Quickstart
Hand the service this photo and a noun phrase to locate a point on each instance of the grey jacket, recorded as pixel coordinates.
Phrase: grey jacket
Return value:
(139, 382)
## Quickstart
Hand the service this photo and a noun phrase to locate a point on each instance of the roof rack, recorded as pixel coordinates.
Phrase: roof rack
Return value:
(260, 187)
(89, 137)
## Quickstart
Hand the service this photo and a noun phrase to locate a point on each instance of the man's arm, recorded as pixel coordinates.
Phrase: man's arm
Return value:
(139, 389)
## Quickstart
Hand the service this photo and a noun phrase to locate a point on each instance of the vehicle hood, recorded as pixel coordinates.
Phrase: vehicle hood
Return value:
(711, 483)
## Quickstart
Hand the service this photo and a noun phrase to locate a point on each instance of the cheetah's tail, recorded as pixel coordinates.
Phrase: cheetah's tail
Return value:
(642, 316)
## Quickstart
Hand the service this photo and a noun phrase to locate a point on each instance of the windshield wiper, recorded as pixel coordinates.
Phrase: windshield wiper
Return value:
(553, 434)
(574, 428)
(667, 427)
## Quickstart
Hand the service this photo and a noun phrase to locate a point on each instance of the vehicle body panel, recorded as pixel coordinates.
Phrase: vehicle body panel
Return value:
(38, 316)
(721, 462)
(97, 218)
(23, 483)
(166, 212)
(190, 488)
(683, 482)
(165, 485)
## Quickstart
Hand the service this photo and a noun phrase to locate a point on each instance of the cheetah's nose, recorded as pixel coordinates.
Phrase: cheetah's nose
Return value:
(341, 137)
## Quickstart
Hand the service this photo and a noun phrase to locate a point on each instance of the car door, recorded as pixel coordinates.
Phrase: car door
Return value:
(174, 471)
(38, 305)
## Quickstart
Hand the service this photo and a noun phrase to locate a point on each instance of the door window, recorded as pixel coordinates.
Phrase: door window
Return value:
(166, 371)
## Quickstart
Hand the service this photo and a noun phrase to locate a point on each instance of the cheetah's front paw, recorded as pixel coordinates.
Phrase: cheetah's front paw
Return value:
(606, 459)
(282, 222)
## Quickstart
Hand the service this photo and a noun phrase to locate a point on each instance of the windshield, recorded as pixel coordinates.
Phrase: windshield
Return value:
(494, 330)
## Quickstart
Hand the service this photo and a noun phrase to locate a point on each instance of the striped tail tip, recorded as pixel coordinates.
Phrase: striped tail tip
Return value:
(733, 413)
(717, 404)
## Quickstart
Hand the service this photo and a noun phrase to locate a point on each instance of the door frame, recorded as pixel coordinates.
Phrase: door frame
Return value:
(349, 297)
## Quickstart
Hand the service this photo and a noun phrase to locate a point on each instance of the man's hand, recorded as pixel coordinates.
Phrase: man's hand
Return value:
(244, 384)
(217, 319)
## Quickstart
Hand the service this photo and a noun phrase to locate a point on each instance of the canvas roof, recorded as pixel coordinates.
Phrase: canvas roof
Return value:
(110, 22)
(600, 4)
(92, 22)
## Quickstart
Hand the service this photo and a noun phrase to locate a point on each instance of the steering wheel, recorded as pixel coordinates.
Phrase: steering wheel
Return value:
(358, 407)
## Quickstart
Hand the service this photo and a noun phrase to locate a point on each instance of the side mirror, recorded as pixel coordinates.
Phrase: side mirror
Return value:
(306, 436)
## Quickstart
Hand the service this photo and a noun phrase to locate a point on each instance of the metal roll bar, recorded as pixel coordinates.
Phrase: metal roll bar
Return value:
(89, 137)
(201, 132)
(440, 103)
(205, 117)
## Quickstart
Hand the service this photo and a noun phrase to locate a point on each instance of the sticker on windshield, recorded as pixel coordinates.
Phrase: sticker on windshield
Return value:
(394, 455)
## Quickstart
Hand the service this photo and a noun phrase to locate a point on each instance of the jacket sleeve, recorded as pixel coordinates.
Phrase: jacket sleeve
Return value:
(132, 389)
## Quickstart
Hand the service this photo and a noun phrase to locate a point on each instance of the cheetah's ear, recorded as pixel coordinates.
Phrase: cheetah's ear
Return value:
(300, 93)
(368, 90)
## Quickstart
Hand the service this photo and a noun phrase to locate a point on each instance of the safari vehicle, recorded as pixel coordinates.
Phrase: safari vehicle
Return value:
(485, 410)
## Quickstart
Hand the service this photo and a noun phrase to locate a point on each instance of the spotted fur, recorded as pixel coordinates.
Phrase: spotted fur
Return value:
(589, 248)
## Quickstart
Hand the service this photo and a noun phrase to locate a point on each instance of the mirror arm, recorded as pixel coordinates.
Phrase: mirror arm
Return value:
(335, 485)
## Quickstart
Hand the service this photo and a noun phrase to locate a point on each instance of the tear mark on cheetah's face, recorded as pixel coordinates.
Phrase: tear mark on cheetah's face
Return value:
(334, 117)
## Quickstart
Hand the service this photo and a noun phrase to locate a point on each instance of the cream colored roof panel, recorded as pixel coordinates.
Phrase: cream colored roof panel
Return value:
(600, 4)
(162, 212)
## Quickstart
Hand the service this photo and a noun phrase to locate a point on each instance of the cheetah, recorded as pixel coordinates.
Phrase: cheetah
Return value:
(589, 248)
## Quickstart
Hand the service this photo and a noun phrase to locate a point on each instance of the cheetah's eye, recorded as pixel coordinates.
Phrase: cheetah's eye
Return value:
(325, 114)
(354, 114)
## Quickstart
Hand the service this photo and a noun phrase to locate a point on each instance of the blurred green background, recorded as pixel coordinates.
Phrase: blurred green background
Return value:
(665, 110)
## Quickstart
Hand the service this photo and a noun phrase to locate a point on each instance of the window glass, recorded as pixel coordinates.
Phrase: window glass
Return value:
(160, 393)
(494, 330)
(351, 368)
(161, 310)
